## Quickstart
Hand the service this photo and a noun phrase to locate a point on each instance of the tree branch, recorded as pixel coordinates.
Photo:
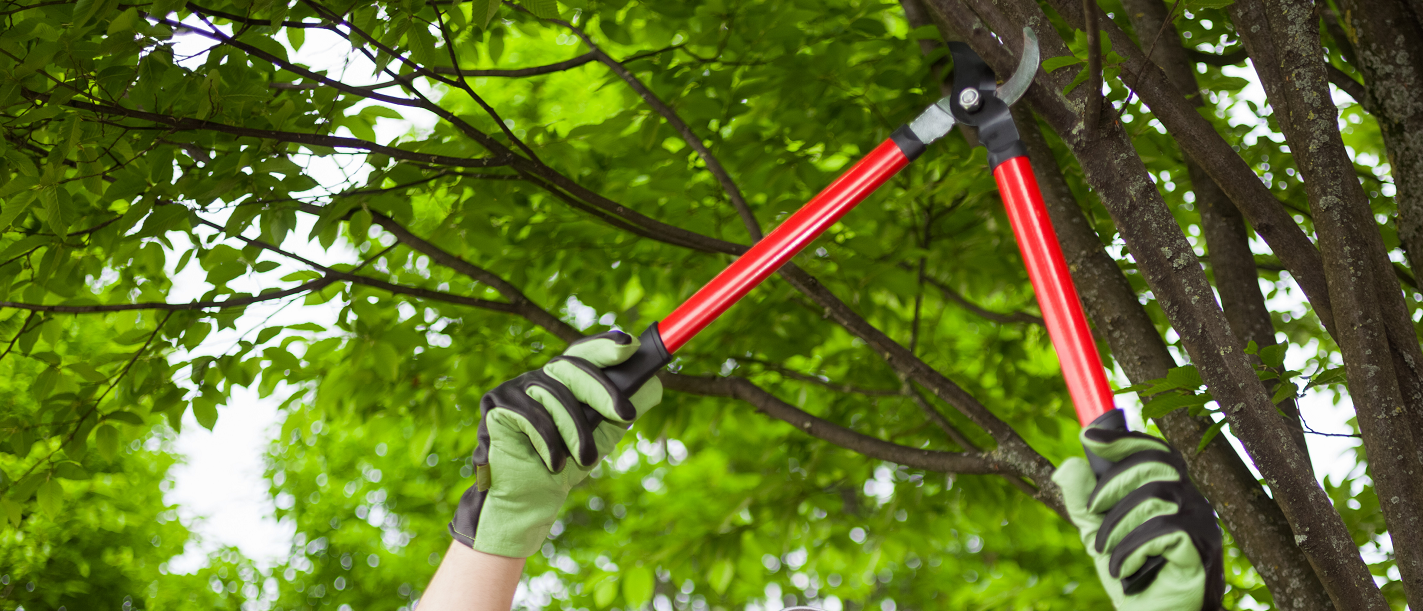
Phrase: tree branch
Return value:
(1229, 58)
(765, 402)
(1355, 89)
(236, 302)
(954, 296)
(219, 37)
(190, 124)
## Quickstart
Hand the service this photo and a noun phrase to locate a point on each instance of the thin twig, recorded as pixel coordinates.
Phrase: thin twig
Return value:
(24, 328)
(1131, 90)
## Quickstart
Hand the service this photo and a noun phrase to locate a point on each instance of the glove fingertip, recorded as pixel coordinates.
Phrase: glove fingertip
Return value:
(604, 349)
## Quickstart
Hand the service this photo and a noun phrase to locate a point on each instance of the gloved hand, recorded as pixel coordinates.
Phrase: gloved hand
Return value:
(1153, 537)
(529, 429)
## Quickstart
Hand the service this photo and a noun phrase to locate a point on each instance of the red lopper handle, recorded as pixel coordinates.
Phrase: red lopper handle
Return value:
(773, 251)
(1062, 311)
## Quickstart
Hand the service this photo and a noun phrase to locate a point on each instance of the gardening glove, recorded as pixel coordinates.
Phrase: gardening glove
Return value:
(539, 435)
(1153, 537)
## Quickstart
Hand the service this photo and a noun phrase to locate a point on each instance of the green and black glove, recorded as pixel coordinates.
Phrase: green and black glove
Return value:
(529, 429)
(1153, 537)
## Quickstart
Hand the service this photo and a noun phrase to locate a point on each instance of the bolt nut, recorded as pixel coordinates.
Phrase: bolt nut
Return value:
(969, 99)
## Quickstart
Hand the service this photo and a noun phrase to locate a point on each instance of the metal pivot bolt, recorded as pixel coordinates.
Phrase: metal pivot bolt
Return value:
(969, 99)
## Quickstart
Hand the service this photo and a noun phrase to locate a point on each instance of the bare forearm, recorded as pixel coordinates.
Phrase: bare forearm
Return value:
(472, 581)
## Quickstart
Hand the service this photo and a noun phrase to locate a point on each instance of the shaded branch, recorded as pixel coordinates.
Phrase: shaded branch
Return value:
(1229, 58)
(217, 36)
(235, 18)
(766, 403)
(1355, 89)
(373, 282)
(190, 124)
(954, 296)
(236, 302)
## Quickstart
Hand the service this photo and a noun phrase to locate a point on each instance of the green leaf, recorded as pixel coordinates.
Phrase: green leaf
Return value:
(925, 32)
(106, 437)
(1186, 377)
(44, 383)
(1133, 388)
(1336, 375)
(543, 9)
(1274, 356)
(1286, 390)
(1053, 63)
(637, 586)
(483, 11)
(50, 495)
(1200, 4)
(21, 491)
(12, 510)
(267, 334)
(16, 204)
(1162, 405)
(720, 575)
(87, 372)
(70, 470)
(194, 334)
(133, 336)
(1209, 435)
(605, 592)
(125, 417)
(205, 411)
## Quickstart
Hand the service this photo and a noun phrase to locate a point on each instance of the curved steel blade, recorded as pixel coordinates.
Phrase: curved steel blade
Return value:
(1016, 86)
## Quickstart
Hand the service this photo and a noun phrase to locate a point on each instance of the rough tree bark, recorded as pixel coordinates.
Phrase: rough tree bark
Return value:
(1283, 39)
(1175, 276)
(1236, 279)
(1387, 42)
(1391, 80)
(1252, 517)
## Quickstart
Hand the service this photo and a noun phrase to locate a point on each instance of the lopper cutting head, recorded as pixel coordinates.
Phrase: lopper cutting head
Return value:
(977, 99)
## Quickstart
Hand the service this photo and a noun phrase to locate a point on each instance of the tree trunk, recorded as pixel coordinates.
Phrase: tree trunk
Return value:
(1283, 39)
(1171, 269)
(1387, 42)
(1236, 279)
(1252, 517)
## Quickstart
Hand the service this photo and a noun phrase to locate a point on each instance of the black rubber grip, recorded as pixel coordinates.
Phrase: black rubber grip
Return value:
(1012, 150)
(908, 143)
(650, 357)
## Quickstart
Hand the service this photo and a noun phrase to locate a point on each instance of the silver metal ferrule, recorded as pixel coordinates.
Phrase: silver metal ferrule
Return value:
(933, 123)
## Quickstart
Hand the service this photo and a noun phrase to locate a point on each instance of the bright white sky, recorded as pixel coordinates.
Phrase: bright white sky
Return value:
(220, 489)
